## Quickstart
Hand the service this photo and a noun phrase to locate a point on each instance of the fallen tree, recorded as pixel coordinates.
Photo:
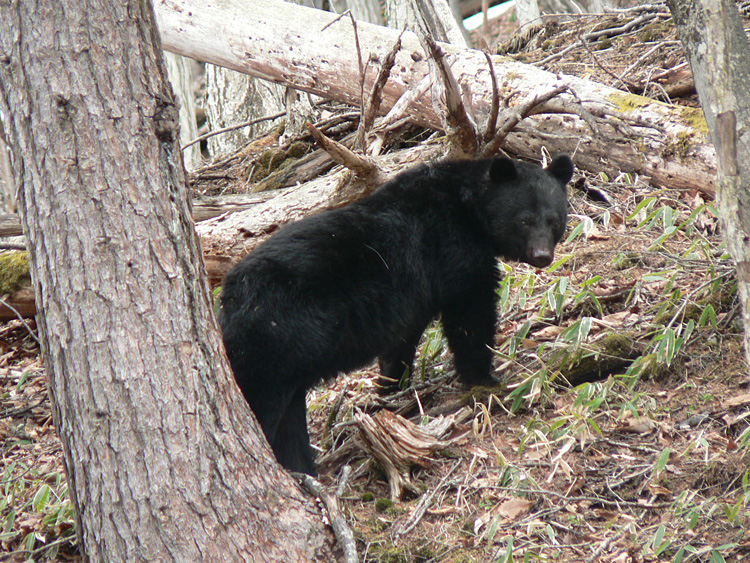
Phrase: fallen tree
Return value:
(605, 129)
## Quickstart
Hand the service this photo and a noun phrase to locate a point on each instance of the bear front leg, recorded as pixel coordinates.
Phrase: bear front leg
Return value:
(396, 364)
(469, 324)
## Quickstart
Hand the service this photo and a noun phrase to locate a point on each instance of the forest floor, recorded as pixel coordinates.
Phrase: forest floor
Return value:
(620, 431)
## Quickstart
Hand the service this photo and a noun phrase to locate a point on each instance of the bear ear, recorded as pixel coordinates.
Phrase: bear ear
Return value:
(503, 169)
(561, 168)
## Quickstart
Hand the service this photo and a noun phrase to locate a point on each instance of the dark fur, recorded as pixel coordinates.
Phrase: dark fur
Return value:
(332, 292)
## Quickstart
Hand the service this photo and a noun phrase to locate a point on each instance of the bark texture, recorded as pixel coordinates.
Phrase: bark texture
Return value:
(612, 131)
(182, 77)
(164, 460)
(716, 47)
(233, 98)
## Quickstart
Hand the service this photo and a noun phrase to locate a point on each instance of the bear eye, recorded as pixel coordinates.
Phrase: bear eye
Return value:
(526, 222)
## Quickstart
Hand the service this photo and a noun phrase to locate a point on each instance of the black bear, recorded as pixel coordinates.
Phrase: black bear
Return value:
(334, 291)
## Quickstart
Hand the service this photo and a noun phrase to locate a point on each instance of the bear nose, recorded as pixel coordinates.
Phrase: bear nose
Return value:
(541, 257)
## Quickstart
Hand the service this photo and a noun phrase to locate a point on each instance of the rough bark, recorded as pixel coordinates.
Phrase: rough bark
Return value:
(164, 460)
(615, 131)
(233, 98)
(716, 47)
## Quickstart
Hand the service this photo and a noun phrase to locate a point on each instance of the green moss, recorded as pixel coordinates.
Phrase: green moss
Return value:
(368, 497)
(265, 159)
(613, 352)
(276, 160)
(297, 149)
(383, 504)
(14, 271)
(653, 32)
(684, 144)
(695, 118)
(629, 102)
(604, 43)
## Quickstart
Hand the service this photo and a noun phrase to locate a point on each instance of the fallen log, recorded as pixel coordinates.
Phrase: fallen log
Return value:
(21, 303)
(203, 209)
(605, 129)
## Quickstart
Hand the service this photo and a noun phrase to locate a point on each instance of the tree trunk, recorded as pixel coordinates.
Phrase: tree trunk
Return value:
(716, 47)
(7, 183)
(233, 98)
(362, 10)
(616, 131)
(527, 12)
(182, 77)
(164, 460)
(433, 17)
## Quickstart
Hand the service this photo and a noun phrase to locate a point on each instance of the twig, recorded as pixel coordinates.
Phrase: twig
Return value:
(594, 35)
(570, 499)
(360, 165)
(370, 109)
(638, 61)
(605, 545)
(402, 104)
(457, 121)
(489, 130)
(518, 113)
(341, 529)
(12, 246)
(346, 472)
(232, 128)
(423, 505)
(597, 62)
(20, 318)
(16, 412)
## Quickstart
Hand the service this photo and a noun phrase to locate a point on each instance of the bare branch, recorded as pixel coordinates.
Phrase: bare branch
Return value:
(370, 109)
(341, 529)
(491, 125)
(514, 115)
(457, 122)
(360, 165)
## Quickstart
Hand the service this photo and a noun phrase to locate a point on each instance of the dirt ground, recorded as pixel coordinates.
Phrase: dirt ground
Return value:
(620, 430)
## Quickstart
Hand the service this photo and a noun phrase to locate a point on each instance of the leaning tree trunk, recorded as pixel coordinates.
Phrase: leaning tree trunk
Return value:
(164, 460)
(605, 129)
(716, 47)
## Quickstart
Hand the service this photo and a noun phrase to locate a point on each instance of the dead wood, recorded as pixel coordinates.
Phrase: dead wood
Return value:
(398, 444)
(461, 129)
(372, 106)
(341, 529)
(365, 168)
(666, 143)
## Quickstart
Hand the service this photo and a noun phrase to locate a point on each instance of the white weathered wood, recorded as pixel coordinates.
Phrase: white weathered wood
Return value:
(432, 17)
(233, 98)
(303, 48)
(182, 77)
(235, 234)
